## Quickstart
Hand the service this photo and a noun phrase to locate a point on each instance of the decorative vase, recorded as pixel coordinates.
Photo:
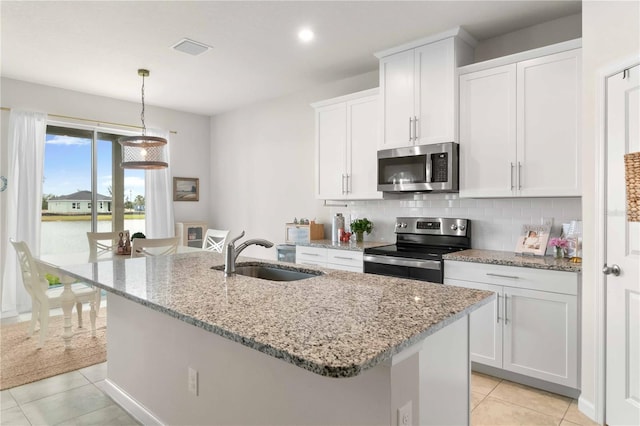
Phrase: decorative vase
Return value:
(359, 237)
(558, 252)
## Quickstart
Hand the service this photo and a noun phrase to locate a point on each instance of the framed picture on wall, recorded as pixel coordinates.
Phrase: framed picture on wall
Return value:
(186, 189)
(533, 239)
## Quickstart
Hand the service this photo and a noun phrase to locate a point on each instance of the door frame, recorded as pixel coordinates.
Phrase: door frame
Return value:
(597, 409)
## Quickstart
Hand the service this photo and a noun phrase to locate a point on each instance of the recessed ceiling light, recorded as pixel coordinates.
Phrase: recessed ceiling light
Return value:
(191, 47)
(305, 35)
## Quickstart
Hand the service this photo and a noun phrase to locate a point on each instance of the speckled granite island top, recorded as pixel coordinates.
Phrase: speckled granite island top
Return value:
(353, 246)
(507, 258)
(337, 324)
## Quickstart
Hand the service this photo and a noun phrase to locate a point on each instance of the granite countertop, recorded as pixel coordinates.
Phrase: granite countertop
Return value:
(507, 258)
(343, 246)
(337, 324)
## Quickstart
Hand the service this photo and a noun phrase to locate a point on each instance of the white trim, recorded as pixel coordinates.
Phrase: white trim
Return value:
(453, 32)
(596, 410)
(587, 408)
(93, 127)
(9, 314)
(522, 56)
(129, 404)
(351, 96)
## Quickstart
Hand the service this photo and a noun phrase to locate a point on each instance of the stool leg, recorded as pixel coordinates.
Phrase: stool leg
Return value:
(79, 310)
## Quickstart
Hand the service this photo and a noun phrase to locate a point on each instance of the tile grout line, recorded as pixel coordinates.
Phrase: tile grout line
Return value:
(533, 409)
(566, 411)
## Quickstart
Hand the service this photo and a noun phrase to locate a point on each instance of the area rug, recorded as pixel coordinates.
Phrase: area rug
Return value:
(22, 362)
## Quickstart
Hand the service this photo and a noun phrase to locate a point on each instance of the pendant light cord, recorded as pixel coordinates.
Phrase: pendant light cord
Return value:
(144, 127)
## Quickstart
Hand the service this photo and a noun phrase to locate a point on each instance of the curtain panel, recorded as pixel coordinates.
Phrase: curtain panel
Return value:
(26, 139)
(159, 222)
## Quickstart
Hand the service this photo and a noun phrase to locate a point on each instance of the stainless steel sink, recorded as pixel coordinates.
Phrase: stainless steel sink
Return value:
(272, 272)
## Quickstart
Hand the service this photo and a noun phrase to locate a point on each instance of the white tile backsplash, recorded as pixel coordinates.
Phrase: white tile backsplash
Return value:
(496, 223)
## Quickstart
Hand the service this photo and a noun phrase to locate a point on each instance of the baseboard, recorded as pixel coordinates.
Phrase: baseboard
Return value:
(526, 380)
(9, 314)
(130, 405)
(587, 408)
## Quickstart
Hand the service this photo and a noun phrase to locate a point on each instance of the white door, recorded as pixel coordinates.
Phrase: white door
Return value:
(435, 92)
(397, 91)
(549, 105)
(541, 335)
(488, 132)
(331, 143)
(362, 159)
(623, 250)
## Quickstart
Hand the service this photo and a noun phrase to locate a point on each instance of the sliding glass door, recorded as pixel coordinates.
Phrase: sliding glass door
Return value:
(84, 189)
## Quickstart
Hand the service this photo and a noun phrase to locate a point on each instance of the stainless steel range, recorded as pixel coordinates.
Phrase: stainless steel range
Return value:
(420, 244)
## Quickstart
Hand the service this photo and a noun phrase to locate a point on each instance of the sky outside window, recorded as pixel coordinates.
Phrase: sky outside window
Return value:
(67, 168)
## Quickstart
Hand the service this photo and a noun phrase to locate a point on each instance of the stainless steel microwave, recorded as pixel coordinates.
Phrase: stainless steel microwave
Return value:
(422, 168)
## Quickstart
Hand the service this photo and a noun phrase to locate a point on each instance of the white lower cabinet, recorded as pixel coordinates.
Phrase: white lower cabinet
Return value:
(532, 326)
(315, 256)
(345, 260)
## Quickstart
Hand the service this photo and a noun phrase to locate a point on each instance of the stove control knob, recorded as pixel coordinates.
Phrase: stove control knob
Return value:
(462, 227)
(403, 225)
(454, 227)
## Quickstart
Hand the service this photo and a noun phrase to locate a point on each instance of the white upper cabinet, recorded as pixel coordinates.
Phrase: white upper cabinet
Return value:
(396, 85)
(418, 89)
(347, 132)
(549, 121)
(488, 131)
(520, 126)
(331, 142)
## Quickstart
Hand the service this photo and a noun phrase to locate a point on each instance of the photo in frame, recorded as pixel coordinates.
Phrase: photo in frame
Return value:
(533, 239)
(186, 189)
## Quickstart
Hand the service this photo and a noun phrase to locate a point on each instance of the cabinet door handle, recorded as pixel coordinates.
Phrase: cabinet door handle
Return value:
(348, 183)
(410, 129)
(519, 175)
(309, 254)
(415, 128)
(342, 183)
(511, 175)
(502, 276)
(343, 258)
(506, 316)
(498, 309)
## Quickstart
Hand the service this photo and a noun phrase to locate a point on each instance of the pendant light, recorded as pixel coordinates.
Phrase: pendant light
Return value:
(143, 152)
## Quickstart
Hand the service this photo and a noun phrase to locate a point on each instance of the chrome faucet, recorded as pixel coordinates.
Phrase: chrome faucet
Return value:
(233, 252)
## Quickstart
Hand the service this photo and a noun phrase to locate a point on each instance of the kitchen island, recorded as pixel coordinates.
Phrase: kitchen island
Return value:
(186, 345)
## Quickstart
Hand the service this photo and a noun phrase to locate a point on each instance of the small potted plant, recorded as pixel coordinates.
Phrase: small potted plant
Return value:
(360, 226)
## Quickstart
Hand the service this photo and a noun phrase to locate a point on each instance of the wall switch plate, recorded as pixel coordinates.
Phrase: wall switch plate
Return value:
(193, 381)
(404, 415)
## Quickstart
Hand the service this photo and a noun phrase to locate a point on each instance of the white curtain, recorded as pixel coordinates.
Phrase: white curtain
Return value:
(158, 198)
(26, 139)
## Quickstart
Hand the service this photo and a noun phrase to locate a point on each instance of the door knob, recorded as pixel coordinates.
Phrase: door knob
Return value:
(613, 269)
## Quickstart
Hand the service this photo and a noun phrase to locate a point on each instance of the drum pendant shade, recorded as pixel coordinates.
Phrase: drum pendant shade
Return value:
(143, 152)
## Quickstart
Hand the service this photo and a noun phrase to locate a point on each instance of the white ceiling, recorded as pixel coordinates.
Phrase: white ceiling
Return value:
(97, 47)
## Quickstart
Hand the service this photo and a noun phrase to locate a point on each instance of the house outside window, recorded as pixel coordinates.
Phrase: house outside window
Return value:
(88, 158)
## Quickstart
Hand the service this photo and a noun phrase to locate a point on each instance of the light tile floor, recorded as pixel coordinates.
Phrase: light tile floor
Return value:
(500, 402)
(75, 399)
(70, 399)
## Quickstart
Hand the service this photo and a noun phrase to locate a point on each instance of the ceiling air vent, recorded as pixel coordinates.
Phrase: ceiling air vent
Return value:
(191, 47)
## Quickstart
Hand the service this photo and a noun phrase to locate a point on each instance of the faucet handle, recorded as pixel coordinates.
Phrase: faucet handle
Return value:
(233, 240)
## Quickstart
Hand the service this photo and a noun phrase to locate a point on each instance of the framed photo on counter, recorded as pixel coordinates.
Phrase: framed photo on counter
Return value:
(186, 189)
(533, 239)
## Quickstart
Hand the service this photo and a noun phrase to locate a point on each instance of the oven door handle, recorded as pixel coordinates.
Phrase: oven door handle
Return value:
(396, 261)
